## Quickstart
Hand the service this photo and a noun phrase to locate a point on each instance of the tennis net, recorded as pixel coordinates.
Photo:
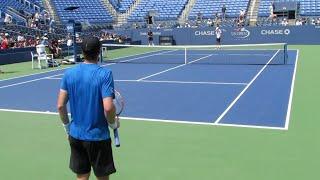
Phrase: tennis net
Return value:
(245, 54)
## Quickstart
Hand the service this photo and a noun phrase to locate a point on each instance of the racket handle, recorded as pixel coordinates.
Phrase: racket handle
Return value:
(116, 137)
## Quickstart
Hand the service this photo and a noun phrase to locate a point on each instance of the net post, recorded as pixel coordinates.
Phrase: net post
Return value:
(101, 55)
(185, 55)
(285, 50)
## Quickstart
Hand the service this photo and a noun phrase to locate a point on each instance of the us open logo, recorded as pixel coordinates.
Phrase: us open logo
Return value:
(240, 34)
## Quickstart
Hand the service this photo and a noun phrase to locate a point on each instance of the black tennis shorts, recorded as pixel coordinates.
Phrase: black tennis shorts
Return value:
(150, 38)
(218, 40)
(95, 154)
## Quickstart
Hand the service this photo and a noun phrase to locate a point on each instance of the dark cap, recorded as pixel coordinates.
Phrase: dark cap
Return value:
(90, 44)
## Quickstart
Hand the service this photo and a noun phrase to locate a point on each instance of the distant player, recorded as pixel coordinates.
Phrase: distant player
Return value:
(150, 38)
(218, 36)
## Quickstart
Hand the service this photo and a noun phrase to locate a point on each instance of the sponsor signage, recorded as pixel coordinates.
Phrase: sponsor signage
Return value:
(240, 33)
(204, 33)
(275, 32)
(154, 33)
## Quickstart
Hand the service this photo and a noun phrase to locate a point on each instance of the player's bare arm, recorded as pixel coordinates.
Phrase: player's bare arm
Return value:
(62, 106)
(110, 111)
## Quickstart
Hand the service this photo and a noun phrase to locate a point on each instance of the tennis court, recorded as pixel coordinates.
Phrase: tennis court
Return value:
(34, 144)
(228, 87)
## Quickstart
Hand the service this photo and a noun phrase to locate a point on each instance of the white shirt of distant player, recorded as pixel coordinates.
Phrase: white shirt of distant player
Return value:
(218, 32)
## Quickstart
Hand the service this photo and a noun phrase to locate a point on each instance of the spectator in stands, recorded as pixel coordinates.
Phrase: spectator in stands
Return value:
(31, 42)
(271, 10)
(241, 19)
(318, 21)
(46, 18)
(272, 16)
(1, 37)
(199, 18)
(5, 42)
(304, 21)
(298, 22)
(209, 23)
(223, 11)
(36, 19)
(51, 26)
(217, 19)
(242, 14)
(159, 26)
(54, 48)
(20, 41)
(7, 19)
(45, 40)
(284, 22)
(273, 7)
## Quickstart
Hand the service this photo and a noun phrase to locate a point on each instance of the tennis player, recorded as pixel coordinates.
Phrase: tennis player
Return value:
(150, 38)
(89, 89)
(218, 36)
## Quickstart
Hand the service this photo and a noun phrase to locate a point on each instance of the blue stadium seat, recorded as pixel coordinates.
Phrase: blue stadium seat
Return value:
(92, 11)
(307, 7)
(208, 8)
(166, 10)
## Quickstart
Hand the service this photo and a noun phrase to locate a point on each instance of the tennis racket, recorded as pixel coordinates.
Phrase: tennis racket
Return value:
(118, 102)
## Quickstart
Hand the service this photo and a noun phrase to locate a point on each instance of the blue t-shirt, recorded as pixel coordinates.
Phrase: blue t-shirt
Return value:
(87, 85)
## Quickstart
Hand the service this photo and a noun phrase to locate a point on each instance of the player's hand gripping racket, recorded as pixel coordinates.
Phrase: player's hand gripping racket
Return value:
(118, 102)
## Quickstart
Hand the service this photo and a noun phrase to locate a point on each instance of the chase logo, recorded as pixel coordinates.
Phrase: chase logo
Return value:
(275, 32)
(204, 33)
(240, 34)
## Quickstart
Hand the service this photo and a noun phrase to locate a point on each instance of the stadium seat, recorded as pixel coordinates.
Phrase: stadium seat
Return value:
(307, 7)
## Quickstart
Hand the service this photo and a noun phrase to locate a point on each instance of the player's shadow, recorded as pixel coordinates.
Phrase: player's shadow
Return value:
(8, 72)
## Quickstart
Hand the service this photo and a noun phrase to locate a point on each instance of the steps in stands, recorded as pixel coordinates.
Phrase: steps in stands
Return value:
(131, 9)
(122, 18)
(51, 10)
(111, 10)
(253, 11)
(185, 13)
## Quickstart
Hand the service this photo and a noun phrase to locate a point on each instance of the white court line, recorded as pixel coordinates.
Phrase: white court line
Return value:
(24, 82)
(175, 67)
(157, 120)
(34, 74)
(53, 78)
(291, 92)
(48, 77)
(245, 89)
(203, 54)
(135, 55)
(191, 82)
(173, 82)
(129, 60)
(69, 67)
(196, 46)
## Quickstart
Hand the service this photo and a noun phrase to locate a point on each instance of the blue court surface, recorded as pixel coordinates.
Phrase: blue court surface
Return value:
(225, 93)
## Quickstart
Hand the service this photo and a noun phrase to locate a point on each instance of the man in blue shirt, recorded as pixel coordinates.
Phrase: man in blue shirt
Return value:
(89, 89)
